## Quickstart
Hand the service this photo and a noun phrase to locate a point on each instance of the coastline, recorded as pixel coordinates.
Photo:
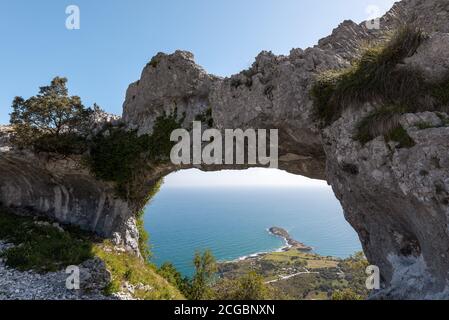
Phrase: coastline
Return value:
(287, 246)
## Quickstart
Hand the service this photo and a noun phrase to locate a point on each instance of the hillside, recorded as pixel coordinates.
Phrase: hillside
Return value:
(34, 254)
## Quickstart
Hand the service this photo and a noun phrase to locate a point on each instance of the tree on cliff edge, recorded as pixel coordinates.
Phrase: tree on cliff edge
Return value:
(205, 269)
(52, 120)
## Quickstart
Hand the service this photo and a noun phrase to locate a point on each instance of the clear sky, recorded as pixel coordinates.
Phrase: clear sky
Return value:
(256, 177)
(118, 37)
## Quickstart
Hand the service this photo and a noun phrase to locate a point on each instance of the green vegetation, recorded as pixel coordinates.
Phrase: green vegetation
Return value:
(54, 122)
(250, 286)
(174, 277)
(292, 274)
(40, 246)
(144, 237)
(297, 275)
(205, 269)
(126, 267)
(118, 156)
(346, 294)
(204, 285)
(444, 118)
(379, 77)
(377, 123)
(206, 117)
(373, 78)
(51, 121)
(125, 158)
(424, 125)
(440, 91)
(384, 122)
(159, 141)
(400, 135)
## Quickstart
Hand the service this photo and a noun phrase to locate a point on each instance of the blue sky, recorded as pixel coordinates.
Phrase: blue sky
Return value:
(255, 177)
(118, 37)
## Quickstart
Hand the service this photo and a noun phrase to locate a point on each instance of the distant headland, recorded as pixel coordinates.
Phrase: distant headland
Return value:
(291, 243)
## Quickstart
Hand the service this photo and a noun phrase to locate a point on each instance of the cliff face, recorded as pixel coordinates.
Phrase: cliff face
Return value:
(62, 189)
(395, 198)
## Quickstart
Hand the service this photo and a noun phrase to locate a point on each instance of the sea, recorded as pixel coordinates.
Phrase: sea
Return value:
(233, 222)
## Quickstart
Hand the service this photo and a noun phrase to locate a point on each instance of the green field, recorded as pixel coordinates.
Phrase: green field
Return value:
(303, 275)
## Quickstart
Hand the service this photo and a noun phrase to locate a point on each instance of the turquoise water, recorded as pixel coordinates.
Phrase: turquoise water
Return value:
(234, 222)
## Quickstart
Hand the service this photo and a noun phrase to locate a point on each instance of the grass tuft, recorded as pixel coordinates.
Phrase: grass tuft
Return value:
(424, 125)
(375, 77)
(400, 135)
(379, 77)
(377, 123)
(128, 268)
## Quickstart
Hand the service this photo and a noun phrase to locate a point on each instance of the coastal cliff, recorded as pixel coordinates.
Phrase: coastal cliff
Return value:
(394, 188)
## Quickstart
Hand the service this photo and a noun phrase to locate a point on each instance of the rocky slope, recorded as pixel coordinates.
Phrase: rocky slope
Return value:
(395, 198)
(29, 285)
(62, 188)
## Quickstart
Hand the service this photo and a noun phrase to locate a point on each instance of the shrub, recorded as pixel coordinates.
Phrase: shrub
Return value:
(117, 156)
(41, 247)
(440, 91)
(144, 237)
(169, 272)
(123, 157)
(346, 294)
(64, 144)
(159, 143)
(400, 135)
(206, 117)
(205, 269)
(250, 286)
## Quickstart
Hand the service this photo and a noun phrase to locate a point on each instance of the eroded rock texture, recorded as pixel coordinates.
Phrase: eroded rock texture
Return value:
(395, 198)
(63, 189)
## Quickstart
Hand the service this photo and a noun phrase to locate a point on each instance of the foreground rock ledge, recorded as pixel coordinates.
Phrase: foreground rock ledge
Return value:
(395, 198)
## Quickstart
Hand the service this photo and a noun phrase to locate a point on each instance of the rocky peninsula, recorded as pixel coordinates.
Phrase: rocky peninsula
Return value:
(291, 243)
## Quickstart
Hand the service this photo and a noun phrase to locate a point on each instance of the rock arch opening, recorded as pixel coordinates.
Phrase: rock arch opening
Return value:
(230, 213)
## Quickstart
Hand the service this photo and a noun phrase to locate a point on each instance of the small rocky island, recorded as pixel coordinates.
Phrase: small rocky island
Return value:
(291, 243)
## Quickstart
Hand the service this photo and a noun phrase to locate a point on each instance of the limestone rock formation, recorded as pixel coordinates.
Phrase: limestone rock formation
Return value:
(397, 199)
(61, 188)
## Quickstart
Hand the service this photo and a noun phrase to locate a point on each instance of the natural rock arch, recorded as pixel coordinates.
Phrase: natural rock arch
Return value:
(396, 199)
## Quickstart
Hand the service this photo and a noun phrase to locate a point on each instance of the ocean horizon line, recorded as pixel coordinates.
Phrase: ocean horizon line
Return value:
(245, 186)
